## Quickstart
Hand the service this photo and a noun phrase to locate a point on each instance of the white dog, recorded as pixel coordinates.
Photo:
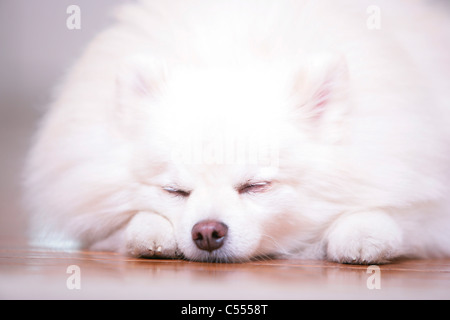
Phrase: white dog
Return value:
(232, 130)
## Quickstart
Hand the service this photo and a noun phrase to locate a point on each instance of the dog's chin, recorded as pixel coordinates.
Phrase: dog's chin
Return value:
(224, 255)
(216, 256)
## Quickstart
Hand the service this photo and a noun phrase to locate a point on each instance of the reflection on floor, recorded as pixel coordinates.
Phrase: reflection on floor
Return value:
(43, 274)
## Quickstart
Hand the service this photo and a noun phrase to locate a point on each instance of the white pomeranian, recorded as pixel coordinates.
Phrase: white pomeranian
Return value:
(234, 130)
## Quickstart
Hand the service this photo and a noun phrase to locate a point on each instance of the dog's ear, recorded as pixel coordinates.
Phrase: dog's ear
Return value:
(140, 80)
(140, 76)
(321, 89)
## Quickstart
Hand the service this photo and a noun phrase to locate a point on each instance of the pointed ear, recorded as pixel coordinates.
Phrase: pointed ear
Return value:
(321, 93)
(140, 76)
(139, 81)
(322, 86)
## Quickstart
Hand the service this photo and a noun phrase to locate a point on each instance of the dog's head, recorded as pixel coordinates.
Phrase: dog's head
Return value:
(230, 154)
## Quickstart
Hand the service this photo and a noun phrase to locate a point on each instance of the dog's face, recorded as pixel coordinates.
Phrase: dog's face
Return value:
(221, 155)
(225, 212)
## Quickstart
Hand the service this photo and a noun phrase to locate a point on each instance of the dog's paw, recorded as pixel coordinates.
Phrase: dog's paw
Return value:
(364, 238)
(150, 235)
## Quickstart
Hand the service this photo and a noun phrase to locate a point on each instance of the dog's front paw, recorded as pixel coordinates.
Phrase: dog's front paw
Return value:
(150, 235)
(364, 238)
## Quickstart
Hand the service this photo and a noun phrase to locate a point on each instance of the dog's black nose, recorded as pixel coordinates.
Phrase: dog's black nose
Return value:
(209, 235)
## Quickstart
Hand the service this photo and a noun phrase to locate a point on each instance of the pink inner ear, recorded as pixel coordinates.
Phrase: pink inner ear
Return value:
(320, 99)
(328, 76)
(140, 85)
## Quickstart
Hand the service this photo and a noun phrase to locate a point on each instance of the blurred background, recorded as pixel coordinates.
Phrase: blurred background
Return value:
(36, 49)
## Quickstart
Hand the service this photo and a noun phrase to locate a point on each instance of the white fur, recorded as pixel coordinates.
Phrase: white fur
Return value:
(349, 126)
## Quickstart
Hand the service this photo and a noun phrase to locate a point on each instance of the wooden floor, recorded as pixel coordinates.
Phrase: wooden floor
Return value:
(42, 274)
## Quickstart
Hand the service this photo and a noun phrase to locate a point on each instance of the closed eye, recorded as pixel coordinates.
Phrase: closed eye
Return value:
(254, 187)
(177, 192)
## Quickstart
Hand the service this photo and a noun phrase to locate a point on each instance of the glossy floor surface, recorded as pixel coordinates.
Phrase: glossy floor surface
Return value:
(42, 274)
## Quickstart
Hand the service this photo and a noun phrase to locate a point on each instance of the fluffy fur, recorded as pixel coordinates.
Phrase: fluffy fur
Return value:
(307, 133)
